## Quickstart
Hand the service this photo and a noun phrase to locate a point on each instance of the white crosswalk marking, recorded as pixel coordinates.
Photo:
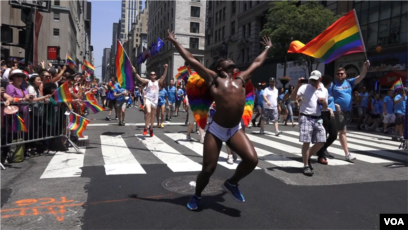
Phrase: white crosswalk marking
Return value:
(288, 148)
(370, 135)
(65, 164)
(118, 158)
(176, 161)
(358, 147)
(384, 139)
(278, 160)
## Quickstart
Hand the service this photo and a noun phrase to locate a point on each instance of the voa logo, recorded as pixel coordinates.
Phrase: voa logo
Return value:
(393, 221)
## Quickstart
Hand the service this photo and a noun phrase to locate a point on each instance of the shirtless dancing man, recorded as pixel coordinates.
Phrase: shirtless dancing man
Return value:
(229, 96)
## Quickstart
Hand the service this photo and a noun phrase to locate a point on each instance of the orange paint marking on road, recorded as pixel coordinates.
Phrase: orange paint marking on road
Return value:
(58, 209)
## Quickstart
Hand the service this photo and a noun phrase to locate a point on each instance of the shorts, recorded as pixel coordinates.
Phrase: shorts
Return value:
(362, 111)
(171, 106)
(111, 104)
(272, 114)
(190, 117)
(178, 103)
(259, 107)
(310, 130)
(389, 118)
(341, 120)
(151, 103)
(121, 104)
(399, 119)
(375, 116)
(224, 134)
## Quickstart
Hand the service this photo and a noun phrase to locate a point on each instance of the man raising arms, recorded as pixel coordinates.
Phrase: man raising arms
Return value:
(229, 96)
(151, 96)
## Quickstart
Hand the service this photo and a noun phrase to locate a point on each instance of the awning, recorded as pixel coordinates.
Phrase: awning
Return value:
(393, 76)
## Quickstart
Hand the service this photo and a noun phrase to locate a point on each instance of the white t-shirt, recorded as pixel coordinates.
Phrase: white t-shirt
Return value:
(310, 96)
(152, 91)
(6, 74)
(272, 96)
(31, 90)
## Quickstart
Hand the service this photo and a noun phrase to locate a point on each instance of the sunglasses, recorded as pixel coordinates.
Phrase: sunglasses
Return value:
(152, 74)
(340, 74)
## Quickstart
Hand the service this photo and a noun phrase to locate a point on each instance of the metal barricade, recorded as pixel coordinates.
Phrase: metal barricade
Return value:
(43, 121)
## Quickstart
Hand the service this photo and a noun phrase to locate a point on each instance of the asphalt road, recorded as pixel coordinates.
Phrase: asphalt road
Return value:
(122, 180)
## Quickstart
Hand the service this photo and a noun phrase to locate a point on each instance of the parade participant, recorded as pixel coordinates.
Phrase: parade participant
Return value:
(110, 98)
(310, 122)
(179, 98)
(119, 93)
(341, 90)
(137, 95)
(151, 96)
(163, 97)
(289, 106)
(362, 109)
(388, 105)
(229, 95)
(171, 104)
(400, 102)
(375, 112)
(191, 123)
(270, 106)
(102, 91)
(259, 105)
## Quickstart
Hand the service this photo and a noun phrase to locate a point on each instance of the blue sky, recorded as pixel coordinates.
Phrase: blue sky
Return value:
(104, 14)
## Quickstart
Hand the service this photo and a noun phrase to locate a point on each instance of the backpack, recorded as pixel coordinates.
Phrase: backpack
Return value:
(110, 95)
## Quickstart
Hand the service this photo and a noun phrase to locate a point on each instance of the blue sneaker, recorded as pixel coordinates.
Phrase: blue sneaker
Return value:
(193, 203)
(234, 190)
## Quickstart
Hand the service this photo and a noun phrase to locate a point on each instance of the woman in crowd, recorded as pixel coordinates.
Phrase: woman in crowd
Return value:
(161, 105)
(289, 106)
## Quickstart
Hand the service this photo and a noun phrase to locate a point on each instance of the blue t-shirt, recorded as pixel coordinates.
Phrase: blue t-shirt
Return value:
(280, 97)
(162, 97)
(119, 90)
(389, 104)
(400, 106)
(341, 93)
(364, 100)
(180, 94)
(377, 105)
(137, 92)
(381, 106)
(259, 94)
(171, 93)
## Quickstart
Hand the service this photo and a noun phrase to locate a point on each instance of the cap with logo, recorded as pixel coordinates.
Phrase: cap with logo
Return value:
(315, 75)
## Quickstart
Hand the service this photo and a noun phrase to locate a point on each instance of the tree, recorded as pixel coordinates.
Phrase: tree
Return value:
(288, 21)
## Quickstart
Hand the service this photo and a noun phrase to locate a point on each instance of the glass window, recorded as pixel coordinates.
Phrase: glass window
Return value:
(243, 31)
(242, 55)
(216, 36)
(250, 4)
(223, 13)
(364, 13)
(396, 8)
(385, 10)
(56, 16)
(233, 6)
(223, 32)
(395, 30)
(364, 33)
(194, 27)
(373, 11)
(57, 2)
(56, 32)
(219, 34)
(193, 43)
(404, 31)
(195, 11)
(247, 52)
(249, 29)
(383, 32)
(232, 27)
(245, 6)
(372, 34)
(404, 7)
(357, 7)
(216, 17)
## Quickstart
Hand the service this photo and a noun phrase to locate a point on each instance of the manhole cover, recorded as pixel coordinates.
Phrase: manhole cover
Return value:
(186, 185)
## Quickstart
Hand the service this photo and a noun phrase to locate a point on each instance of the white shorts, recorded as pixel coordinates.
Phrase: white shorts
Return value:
(190, 117)
(171, 106)
(151, 103)
(224, 134)
(389, 118)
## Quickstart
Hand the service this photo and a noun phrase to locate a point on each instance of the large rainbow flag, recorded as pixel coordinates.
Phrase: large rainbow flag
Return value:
(19, 124)
(71, 62)
(341, 38)
(92, 103)
(89, 67)
(124, 69)
(62, 94)
(397, 85)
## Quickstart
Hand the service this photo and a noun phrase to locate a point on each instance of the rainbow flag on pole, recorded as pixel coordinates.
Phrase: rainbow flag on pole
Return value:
(341, 38)
(397, 85)
(111, 85)
(88, 66)
(81, 127)
(184, 73)
(71, 62)
(62, 94)
(19, 123)
(92, 103)
(124, 69)
(73, 121)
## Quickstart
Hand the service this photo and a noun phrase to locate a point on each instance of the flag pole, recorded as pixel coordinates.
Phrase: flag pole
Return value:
(359, 31)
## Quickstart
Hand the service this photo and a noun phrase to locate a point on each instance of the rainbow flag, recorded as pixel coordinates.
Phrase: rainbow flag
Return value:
(92, 103)
(73, 121)
(397, 85)
(341, 38)
(89, 66)
(111, 85)
(19, 124)
(184, 73)
(81, 127)
(263, 83)
(71, 62)
(62, 94)
(124, 69)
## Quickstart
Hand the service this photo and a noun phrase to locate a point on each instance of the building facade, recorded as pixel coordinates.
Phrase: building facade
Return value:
(67, 25)
(187, 20)
(129, 11)
(106, 64)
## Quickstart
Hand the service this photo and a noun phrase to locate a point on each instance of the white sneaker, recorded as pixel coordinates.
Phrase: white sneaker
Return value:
(188, 137)
(262, 131)
(278, 133)
(350, 157)
(230, 160)
(202, 140)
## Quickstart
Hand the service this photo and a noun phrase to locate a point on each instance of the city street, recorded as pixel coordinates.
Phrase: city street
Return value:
(123, 180)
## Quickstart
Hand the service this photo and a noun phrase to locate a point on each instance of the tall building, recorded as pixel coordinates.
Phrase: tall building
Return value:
(115, 37)
(187, 20)
(106, 64)
(67, 25)
(129, 11)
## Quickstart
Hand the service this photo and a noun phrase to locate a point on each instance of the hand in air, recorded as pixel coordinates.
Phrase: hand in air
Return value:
(266, 41)
(171, 36)
(165, 65)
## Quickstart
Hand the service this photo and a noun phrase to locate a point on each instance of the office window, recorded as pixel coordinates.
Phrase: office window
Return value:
(208, 39)
(242, 55)
(404, 7)
(364, 13)
(245, 6)
(56, 33)
(243, 31)
(193, 43)
(374, 11)
(232, 27)
(385, 10)
(56, 16)
(216, 17)
(383, 32)
(57, 2)
(140, 7)
(404, 31)
(396, 8)
(194, 27)
(233, 7)
(216, 36)
(247, 57)
(195, 11)
(250, 4)
(219, 35)
(223, 32)
(249, 29)
(223, 14)
(372, 34)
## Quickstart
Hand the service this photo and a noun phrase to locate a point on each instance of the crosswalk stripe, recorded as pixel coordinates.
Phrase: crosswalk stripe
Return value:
(288, 148)
(176, 161)
(135, 124)
(374, 143)
(118, 158)
(362, 157)
(370, 135)
(278, 160)
(377, 140)
(65, 164)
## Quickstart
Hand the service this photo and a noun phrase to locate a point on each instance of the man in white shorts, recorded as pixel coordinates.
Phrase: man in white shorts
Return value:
(270, 106)
(311, 127)
(151, 96)
(388, 105)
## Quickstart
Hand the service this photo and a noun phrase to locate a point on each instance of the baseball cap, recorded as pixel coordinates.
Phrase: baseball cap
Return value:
(272, 79)
(315, 75)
